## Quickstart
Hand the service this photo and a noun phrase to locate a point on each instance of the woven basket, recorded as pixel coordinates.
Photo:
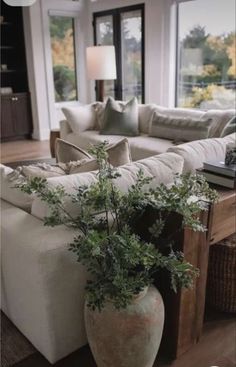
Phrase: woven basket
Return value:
(221, 283)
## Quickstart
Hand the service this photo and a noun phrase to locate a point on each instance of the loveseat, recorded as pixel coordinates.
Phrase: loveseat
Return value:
(83, 124)
(42, 284)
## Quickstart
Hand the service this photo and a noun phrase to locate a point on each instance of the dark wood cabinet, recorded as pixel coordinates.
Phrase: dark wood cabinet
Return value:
(16, 119)
(15, 116)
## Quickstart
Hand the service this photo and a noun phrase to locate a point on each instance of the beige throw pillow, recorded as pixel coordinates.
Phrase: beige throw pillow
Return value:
(66, 152)
(80, 118)
(118, 155)
(179, 129)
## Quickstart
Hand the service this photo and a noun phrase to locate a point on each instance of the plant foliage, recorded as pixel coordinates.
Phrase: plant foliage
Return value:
(121, 264)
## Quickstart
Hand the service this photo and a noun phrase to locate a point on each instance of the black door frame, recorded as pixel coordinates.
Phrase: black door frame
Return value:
(116, 17)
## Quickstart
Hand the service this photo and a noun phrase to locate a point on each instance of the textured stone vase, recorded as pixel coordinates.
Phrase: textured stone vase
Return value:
(129, 337)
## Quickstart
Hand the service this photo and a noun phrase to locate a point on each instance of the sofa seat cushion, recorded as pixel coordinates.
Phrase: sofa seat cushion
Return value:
(144, 146)
(161, 167)
(197, 152)
(90, 137)
(140, 146)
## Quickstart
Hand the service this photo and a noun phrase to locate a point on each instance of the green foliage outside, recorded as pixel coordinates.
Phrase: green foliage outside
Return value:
(218, 57)
(120, 262)
(63, 57)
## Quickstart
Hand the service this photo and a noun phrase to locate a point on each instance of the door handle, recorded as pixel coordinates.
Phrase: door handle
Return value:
(14, 99)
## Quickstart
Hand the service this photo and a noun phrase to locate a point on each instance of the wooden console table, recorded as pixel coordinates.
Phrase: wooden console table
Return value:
(185, 311)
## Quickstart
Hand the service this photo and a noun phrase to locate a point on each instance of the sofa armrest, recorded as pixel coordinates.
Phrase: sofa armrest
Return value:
(64, 129)
(197, 152)
(42, 284)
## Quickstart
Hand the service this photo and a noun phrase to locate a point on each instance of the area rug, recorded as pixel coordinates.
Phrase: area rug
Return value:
(14, 346)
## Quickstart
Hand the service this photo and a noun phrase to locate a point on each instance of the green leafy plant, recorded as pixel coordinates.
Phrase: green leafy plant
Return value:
(120, 261)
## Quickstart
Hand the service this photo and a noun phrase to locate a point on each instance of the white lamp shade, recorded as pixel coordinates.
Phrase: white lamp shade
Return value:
(101, 62)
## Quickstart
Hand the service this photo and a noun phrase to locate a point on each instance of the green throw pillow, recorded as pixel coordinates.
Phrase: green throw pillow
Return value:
(229, 128)
(120, 119)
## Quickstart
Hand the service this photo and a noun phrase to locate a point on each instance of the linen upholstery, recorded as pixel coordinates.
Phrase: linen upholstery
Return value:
(179, 129)
(162, 167)
(80, 118)
(10, 193)
(145, 112)
(118, 154)
(229, 128)
(144, 146)
(41, 170)
(197, 152)
(120, 119)
(42, 284)
(66, 152)
(220, 119)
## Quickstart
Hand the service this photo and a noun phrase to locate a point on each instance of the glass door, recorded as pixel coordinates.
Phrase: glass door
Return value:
(131, 54)
(124, 28)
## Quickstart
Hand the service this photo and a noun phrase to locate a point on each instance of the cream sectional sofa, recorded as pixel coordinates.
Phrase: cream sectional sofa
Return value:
(141, 146)
(42, 284)
(42, 290)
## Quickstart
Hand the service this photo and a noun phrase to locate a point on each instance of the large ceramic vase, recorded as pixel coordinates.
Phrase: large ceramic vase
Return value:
(129, 337)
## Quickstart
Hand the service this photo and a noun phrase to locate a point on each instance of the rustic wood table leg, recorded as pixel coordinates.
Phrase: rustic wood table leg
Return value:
(54, 134)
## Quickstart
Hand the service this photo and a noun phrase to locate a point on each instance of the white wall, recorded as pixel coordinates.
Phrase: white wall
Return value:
(159, 54)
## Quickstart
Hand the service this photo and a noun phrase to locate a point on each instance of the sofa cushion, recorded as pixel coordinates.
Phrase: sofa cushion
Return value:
(10, 193)
(80, 118)
(220, 119)
(145, 112)
(162, 168)
(200, 151)
(229, 128)
(144, 146)
(43, 170)
(66, 152)
(120, 119)
(91, 137)
(179, 128)
(118, 155)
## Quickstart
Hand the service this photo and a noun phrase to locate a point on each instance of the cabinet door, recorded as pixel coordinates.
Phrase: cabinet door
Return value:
(21, 114)
(7, 121)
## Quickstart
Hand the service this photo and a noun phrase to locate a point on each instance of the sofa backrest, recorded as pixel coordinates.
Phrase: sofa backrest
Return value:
(162, 168)
(197, 152)
(145, 113)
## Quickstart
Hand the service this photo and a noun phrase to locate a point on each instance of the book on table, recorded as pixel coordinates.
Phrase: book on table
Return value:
(217, 179)
(220, 168)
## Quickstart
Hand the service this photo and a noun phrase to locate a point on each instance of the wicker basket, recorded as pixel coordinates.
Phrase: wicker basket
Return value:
(221, 284)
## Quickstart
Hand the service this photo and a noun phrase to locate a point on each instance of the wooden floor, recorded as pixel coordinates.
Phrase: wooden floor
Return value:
(217, 346)
(24, 150)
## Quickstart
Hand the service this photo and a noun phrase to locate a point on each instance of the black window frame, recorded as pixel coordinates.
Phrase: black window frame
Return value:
(116, 18)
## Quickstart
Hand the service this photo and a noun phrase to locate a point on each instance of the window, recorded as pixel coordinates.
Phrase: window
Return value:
(206, 71)
(63, 58)
(124, 27)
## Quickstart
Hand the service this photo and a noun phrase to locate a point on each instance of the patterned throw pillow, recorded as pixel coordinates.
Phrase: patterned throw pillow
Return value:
(120, 119)
(179, 129)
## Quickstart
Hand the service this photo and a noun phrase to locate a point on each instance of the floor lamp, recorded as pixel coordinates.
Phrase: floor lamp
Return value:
(101, 65)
